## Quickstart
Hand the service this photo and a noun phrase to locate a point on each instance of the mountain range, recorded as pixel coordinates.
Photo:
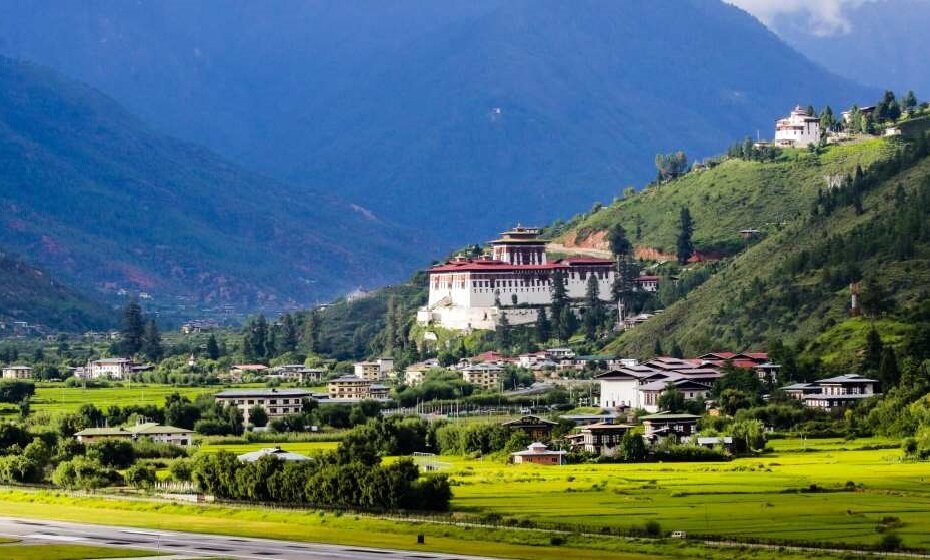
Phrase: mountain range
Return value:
(454, 118)
(877, 42)
(106, 204)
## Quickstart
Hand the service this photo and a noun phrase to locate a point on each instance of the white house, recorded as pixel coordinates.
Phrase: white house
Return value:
(374, 370)
(109, 368)
(275, 402)
(840, 391)
(17, 372)
(797, 130)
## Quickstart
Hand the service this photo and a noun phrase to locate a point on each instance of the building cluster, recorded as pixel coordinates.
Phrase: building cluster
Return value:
(639, 385)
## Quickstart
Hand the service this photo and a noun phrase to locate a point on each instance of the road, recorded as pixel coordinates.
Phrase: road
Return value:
(197, 545)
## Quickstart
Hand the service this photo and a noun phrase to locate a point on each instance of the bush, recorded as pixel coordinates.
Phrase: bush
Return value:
(684, 452)
(889, 542)
(85, 474)
(140, 476)
(148, 449)
(181, 470)
(112, 453)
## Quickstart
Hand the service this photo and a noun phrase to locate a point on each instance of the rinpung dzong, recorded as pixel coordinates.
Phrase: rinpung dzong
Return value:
(515, 280)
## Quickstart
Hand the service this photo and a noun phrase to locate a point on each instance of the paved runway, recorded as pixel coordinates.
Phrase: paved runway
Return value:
(197, 545)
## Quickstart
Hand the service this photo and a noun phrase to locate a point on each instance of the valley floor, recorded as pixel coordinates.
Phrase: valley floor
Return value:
(828, 494)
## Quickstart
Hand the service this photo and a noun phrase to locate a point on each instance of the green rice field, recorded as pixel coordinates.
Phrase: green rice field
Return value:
(770, 497)
(54, 399)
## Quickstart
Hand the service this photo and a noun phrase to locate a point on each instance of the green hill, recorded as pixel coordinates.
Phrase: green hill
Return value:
(792, 285)
(31, 295)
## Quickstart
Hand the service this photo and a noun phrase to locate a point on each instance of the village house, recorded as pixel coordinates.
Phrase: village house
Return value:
(148, 430)
(648, 283)
(601, 438)
(241, 370)
(17, 372)
(834, 392)
(275, 402)
(486, 376)
(515, 279)
(350, 388)
(297, 374)
(374, 370)
(797, 130)
(109, 368)
(538, 454)
(538, 429)
(664, 424)
(689, 389)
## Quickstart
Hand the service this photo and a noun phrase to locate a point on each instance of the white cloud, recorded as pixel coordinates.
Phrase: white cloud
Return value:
(825, 17)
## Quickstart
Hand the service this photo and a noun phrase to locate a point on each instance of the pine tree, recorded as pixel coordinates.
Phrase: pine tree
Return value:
(567, 323)
(542, 326)
(151, 341)
(559, 301)
(594, 314)
(888, 372)
(686, 231)
(502, 334)
(677, 352)
(288, 342)
(910, 101)
(312, 332)
(872, 357)
(657, 348)
(259, 337)
(133, 328)
(213, 349)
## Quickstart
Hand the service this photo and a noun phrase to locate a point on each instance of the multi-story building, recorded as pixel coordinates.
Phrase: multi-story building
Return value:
(17, 372)
(486, 376)
(275, 402)
(375, 370)
(349, 388)
(516, 279)
(834, 392)
(109, 368)
(797, 130)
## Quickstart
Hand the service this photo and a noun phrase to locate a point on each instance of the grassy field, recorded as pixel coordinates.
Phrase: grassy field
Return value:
(58, 398)
(312, 526)
(67, 552)
(765, 498)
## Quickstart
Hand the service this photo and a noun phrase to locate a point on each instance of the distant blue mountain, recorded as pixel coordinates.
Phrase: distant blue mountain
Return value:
(91, 194)
(455, 117)
(885, 43)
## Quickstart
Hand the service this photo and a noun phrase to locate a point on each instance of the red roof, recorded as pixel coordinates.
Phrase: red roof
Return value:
(491, 265)
(648, 279)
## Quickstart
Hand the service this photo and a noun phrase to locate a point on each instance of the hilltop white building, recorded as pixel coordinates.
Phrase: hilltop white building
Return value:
(797, 130)
(516, 280)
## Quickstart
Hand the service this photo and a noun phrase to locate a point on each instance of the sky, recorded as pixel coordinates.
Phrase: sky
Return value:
(826, 17)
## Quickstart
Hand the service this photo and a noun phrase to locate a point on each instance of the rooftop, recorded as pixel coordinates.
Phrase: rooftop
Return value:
(275, 452)
(261, 392)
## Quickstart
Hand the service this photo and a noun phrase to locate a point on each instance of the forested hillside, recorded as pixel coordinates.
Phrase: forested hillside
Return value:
(104, 203)
(792, 284)
(31, 295)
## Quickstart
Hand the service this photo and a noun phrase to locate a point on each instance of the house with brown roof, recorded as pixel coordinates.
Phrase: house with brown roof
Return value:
(538, 454)
(538, 429)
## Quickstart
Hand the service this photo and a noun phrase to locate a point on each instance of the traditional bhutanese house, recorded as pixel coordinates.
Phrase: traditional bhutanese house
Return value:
(689, 388)
(152, 431)
(538, 454)
(539, 429)
(664, 424)
(17, 372)
(601, 438)
(841, 391)
(648, 283)
(800, 390)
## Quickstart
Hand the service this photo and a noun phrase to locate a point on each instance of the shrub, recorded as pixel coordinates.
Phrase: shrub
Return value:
(112, 453)
(889, 542)
(140, 476)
